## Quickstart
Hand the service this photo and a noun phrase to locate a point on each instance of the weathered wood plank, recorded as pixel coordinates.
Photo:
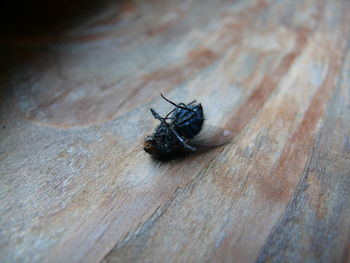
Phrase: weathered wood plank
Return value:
(76, 186)
(237, 239)
(315, 226)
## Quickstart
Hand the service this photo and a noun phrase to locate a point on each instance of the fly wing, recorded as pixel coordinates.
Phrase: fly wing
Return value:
(211, 137)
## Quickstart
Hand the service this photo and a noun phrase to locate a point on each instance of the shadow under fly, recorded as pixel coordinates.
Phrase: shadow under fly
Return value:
(182, 131)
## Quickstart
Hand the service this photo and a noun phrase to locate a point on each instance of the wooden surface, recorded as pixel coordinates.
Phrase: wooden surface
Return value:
(76, 186)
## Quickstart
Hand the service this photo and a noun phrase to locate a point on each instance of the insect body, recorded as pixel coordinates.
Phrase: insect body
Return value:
(163, 143)
(187, 120)
(178, 130)
(188, 123)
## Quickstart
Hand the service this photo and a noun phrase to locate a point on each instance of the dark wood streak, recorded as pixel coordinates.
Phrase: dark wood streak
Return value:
(298, 147)
(315, 226)
(248, 109)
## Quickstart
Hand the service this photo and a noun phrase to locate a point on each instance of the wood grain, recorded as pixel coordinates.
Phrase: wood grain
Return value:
(315, 222)
(76, 186)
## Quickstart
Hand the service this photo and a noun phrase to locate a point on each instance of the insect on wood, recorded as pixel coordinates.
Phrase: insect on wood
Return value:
(183, 131)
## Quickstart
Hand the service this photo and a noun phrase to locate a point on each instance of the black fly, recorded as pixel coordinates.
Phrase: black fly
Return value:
(181, 131)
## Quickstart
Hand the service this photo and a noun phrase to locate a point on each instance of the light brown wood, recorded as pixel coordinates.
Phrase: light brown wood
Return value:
(76, 186)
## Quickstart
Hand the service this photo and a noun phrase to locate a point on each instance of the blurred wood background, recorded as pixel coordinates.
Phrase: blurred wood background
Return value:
(75, 184)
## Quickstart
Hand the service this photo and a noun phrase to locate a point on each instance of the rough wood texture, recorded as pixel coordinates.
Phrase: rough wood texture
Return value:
(76, 186)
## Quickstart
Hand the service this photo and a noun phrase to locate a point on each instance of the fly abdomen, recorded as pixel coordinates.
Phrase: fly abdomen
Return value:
(188, 123)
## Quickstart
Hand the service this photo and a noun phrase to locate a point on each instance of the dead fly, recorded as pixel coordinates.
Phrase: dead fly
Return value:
(182, 131)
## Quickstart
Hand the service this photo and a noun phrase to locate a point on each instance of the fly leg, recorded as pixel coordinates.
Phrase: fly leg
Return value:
(184, 143)
(157, 116)
(167, 116)
(162, 120)
(176, 105)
